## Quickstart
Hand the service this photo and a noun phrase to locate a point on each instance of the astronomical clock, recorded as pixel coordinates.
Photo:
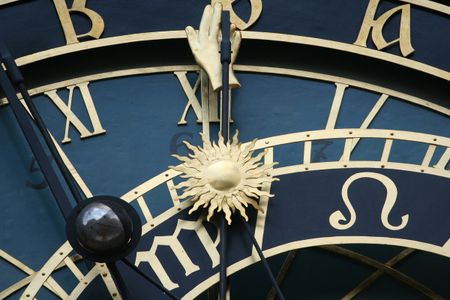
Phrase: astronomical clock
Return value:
(224, 149)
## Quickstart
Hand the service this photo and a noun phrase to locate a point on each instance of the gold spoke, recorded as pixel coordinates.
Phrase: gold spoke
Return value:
(384, 268)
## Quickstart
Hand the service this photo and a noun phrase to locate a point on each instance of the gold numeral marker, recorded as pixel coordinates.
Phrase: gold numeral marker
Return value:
(370, 117)
(71, 118)
(210, 113)
(335, 107)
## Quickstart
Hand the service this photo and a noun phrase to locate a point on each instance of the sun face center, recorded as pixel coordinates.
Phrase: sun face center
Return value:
(223, 175)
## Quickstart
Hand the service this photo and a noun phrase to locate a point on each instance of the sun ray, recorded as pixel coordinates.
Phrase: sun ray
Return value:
(224, 177)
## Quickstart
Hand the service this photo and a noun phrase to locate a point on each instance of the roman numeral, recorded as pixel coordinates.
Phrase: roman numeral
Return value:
(71, 118)
(370, 117)
(335, 107)
(350, 144)
(208, 96)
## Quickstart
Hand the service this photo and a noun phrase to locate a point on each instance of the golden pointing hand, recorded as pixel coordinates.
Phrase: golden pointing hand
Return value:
(205, 45)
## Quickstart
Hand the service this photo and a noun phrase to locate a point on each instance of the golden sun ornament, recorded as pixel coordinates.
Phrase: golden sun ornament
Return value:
(223, 177)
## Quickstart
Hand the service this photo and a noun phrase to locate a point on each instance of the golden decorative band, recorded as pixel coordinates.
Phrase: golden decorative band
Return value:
(137, 193)
(246, 35)
(427, 103)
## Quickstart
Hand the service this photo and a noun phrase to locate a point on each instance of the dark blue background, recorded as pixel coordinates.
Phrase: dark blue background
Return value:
(300, 211)
(140, 115)
(31, 26)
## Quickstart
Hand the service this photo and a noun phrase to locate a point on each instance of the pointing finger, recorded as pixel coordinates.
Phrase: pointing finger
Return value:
(205, 23)
(215, 23)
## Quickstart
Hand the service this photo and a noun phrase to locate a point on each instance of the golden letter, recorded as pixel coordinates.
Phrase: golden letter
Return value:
(377, 28)
(78, 6)
(337, 217)
(71, 118)
(256, 9)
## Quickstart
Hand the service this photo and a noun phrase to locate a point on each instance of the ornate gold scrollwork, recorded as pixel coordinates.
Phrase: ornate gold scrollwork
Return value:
(337, 218)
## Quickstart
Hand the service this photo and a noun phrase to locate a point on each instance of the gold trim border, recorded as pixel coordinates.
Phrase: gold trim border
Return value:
(336, 240)
(241, 68)
(271, 142)
(249, 35)
(431, 5)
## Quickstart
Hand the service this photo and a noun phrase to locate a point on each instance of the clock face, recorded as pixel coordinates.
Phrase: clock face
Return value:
(349, 99)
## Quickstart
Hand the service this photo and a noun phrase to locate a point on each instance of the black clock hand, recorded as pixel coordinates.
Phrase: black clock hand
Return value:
(49, 173)
(225, 58)
(18, 80)
(26, 126)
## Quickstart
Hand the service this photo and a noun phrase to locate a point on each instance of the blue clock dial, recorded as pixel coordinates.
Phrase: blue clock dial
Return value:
(336, 167)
